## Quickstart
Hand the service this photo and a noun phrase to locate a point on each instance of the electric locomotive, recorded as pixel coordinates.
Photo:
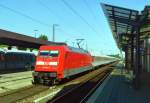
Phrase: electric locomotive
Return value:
(57, 62)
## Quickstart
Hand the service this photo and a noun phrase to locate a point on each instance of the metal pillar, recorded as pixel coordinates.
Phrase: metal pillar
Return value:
(132, 51)
(145, 54)
(148, 54)
(129, 59)
(126, 57)
(137, 60)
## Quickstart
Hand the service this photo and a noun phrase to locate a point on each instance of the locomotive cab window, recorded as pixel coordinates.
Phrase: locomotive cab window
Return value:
(54, 53)
(51, 53)
(44, 53)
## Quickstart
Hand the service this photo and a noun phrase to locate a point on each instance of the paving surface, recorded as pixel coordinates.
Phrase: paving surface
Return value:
(118, 89)
(11, 75)
(12, 81)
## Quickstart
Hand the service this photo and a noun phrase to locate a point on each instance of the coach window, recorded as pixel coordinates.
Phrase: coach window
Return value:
(6, 57)
(1, 57)
(28, 57)
(23, 57)
(19, 57)
(32, 58)
(10, 57)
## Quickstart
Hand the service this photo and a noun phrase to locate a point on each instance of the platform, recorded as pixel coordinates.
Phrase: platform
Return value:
(117, 88)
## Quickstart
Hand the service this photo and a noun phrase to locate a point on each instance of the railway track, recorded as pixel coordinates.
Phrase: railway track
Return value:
(14, 81)
(14, 84)
(30, 94)
(25, 93)
(80, 93)
(17, 79)
(62, 89)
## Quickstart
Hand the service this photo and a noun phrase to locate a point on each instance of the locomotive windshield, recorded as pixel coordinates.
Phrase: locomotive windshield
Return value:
(51, 53)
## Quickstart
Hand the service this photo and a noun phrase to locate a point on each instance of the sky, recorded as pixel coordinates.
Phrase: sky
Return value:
(82, 19)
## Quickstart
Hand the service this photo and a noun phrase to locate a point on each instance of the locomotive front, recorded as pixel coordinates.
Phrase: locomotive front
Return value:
(47, 68)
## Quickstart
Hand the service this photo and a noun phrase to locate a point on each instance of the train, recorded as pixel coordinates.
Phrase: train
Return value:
(57, 62)
(16, 61)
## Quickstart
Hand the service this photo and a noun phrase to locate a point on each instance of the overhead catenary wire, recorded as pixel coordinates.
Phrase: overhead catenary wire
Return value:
(86, 2)
(25, 16)
(54, 13)
(50, 11)
(76, 13)
(89, 8)
(28, 17)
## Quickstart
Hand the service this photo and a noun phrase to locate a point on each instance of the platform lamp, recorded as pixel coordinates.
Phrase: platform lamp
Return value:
(35, 32)
(53, 37)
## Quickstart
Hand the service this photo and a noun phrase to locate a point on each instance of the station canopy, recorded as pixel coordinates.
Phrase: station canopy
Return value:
(121, 21)
(16, 39)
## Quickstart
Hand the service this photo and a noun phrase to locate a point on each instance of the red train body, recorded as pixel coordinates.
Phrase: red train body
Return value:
(58, 62)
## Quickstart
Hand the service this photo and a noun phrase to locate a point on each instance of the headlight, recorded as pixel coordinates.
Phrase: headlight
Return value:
(39, 63)
(53, 63)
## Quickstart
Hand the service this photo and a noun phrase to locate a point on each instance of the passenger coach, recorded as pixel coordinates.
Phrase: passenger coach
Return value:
(12, 61)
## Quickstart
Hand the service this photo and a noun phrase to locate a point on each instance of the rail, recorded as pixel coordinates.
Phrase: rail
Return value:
(82, 91)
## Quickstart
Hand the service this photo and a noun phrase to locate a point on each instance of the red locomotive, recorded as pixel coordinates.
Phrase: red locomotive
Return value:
(57, 62)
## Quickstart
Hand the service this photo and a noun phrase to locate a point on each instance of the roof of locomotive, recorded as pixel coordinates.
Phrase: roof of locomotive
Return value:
(67, 48)
(80, 50)
(47, 47)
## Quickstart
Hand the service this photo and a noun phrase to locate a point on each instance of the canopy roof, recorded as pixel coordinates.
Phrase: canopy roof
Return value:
(16, 39)
(121, 21)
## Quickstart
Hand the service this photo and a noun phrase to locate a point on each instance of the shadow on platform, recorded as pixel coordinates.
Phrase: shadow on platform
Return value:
(119, 89)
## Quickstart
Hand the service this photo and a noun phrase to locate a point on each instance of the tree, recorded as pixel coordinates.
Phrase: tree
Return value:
(21, 48)
(43, 37)
(3, 46)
